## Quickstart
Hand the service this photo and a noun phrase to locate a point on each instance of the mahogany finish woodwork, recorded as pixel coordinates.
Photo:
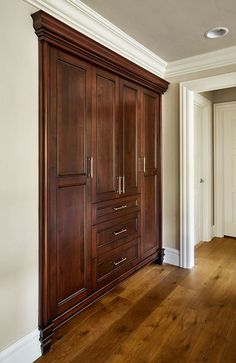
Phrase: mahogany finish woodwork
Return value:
(100, 171)
(106, 140)
(151, 178)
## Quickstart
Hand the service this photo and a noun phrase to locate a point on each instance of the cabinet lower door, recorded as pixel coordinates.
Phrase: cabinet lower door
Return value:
(151, 179)
(69, 182)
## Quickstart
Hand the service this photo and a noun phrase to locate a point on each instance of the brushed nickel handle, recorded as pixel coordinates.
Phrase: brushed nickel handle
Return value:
(144, 164)
(120, 207)
(119, 232)
(123, 184)
(90, 167)
(116, 263)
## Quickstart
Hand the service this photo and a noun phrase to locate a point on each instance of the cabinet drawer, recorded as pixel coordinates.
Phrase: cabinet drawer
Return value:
(105, 211)
(113, 264)
(110, 235)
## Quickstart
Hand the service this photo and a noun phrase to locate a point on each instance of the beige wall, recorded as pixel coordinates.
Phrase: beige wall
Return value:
(171, 180)
(18, 173)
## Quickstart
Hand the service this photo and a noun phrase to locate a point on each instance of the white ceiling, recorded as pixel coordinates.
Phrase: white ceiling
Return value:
(173, 29)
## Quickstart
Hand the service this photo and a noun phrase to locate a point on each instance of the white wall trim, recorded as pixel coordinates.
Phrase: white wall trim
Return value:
(187, 208)
(206, 143)
(219, 109)
(202, 62)
(82, 18)
(172, 256)
(187, 159)
(25, 350)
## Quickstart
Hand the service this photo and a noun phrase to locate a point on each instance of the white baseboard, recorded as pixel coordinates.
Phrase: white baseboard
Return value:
(172, 256)
(25, 350)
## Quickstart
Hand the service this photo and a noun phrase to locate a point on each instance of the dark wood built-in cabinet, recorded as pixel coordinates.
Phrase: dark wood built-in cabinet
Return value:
(100, 171)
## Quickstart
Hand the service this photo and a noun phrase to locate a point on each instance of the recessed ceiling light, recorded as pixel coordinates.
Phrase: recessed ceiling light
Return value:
(217, 32)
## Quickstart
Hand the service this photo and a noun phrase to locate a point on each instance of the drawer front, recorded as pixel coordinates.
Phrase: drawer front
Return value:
(108, 210)
(111, 265)
(110, 235)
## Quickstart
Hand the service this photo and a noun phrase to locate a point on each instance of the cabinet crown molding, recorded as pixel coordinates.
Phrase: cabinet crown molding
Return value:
(54, 31)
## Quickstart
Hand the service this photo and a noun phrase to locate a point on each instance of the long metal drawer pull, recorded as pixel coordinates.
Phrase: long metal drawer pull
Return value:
(123, 191)
(119, 232)
(120, 207)
(119, 262)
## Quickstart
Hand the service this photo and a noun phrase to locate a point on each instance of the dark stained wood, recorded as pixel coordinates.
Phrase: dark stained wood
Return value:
(151, 180)
(160, 314)
(96, 121)
(57, 33)
(106, 141)
(113, 264)
(111, 234)
(131, 143)
(111, 209)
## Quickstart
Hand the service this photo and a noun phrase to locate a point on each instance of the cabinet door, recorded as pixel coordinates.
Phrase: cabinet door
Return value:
(106, 136)
(130, 119)
(151, 180)
(69, 146)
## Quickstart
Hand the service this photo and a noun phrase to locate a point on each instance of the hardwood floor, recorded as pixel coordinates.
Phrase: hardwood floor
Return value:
(161, 314)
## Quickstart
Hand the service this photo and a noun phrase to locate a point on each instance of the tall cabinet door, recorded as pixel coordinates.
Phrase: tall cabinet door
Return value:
(106, 136)
(69, 184)
(130, 123)
(151, 180)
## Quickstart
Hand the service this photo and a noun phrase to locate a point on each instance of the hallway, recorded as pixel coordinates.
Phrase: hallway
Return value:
(161, 314)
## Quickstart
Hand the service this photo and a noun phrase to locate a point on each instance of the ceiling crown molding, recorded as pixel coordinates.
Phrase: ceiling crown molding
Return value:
(82, 18)
(202, 62)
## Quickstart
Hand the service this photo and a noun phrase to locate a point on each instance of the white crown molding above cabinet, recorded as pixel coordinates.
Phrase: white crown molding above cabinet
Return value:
(25, 350)
(202, 62)
(82, 18)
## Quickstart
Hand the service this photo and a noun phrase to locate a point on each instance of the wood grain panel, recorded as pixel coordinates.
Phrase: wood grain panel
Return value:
(151, 180)
(106, 135)
(71, 243)
(71, 109)
(69, 219)
(130, 115)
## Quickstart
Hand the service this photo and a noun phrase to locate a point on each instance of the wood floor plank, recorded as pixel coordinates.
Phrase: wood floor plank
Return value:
(161, 314)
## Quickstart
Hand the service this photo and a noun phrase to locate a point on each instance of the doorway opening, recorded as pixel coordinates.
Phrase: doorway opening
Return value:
(188, 162)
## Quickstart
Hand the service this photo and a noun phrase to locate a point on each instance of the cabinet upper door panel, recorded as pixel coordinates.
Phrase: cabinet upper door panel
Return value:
(151, 180)
(130, 117)
(151, 140)
(69, 146)
(106, 146)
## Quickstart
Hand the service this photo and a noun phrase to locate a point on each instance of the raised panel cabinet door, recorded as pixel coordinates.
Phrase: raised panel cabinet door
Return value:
(69, 181)
(106, 136)
(151, 176)
(130, 119)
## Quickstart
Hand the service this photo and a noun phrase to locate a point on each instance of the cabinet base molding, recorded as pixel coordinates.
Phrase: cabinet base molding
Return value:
(47, 332)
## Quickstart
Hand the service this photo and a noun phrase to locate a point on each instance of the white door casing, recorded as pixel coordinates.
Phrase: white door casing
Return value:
(225, 169)
(187, 213)
(203, 168)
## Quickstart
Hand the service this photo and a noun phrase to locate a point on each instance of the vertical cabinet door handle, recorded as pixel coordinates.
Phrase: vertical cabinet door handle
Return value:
(123, 184)
(144, 164)
(90, 167)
